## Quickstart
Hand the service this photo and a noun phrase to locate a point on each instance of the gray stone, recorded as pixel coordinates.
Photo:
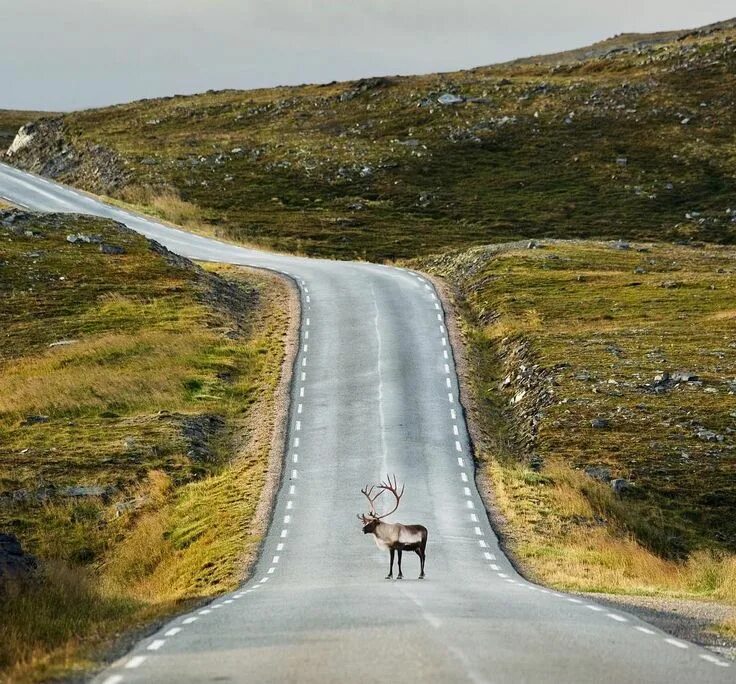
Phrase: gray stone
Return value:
(620, 485)
(708, 435)
(63, 343)
(684, 376)
(599, 473)
(82, 491)
(15, 564)
(78, 238)
(450, 99)
(600, 423)
(33, 420)
(106, 248)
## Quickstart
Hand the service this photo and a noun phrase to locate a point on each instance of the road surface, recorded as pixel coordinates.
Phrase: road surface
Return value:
(375, 391)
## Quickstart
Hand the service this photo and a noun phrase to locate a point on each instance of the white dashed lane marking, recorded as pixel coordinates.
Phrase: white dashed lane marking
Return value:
(173, 631)
(613, 616)
(458, 446)
(644, 630)
(676, 643)
(113, 679)
(713, 659)
(189, 620)
(135, 661)
(156, 644)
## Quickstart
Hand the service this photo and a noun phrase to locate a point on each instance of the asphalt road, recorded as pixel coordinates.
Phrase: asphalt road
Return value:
(375, 391)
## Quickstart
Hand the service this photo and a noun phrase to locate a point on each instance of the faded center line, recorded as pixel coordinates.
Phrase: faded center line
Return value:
(379, 371)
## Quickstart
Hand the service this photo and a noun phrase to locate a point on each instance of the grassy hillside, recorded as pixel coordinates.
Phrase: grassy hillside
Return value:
(603, 389)
(634, 144)
(135, 429)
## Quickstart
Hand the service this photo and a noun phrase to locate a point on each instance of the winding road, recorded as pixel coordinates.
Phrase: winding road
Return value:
(375, 391)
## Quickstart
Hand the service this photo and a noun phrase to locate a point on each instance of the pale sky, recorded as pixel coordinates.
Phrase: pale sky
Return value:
(70, 54)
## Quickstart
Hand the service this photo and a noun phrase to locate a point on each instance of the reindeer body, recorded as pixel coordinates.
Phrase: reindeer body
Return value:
(394, 537)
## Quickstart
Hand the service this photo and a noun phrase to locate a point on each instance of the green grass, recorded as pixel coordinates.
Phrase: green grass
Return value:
(295, 181)
(573, 332)
(150, 350)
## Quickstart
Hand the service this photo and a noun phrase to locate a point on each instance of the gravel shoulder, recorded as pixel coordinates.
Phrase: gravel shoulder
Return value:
(683, 618)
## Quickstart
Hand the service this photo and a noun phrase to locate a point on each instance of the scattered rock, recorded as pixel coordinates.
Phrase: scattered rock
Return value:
(34, 420)
(199, 432)
(106, 248)
(708, 435)
(63, 343)
(620, 485)
(450, 99)
(78, 238)
(600, 423)
(684, 376)
(15, 564)
(599, 473)
(82, 491)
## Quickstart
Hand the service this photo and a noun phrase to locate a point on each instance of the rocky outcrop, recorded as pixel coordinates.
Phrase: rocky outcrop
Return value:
(44, 147)
(529, 388)
(15, 564)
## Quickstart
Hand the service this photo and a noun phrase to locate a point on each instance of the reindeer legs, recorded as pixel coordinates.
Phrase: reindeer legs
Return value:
(399, 576)
(391, 569)
(420, 553)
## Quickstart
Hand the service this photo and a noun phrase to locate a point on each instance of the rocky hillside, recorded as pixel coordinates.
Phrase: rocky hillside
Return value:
(10, 122)
(632, 139)
(135, 426)
(603, 380)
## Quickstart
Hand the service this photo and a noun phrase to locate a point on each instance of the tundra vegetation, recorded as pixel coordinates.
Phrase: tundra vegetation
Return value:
(587, 362)
(602, 383)
(634, 142)
(135, 429)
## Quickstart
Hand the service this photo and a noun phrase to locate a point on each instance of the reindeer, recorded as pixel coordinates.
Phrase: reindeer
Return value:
(393, 536)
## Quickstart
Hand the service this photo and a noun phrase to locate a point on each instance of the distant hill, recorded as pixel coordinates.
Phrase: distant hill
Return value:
(625, 42)
(631, 138)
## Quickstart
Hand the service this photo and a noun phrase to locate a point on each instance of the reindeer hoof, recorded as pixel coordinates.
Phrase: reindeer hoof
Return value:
(400, 577)
(389, 576)
(421, 577)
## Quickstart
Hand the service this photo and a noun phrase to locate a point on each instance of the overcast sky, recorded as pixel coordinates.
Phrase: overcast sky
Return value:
(70, 54)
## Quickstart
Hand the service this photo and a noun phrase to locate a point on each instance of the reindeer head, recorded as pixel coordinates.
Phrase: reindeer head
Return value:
(372, 520)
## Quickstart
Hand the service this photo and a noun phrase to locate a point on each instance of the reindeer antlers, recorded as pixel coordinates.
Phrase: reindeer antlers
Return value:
(367, 491)
(386, 486)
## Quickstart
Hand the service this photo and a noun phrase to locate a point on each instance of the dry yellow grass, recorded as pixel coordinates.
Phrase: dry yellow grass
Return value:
(542, 512)
(112, 370)
(155, 354)
(166, 203)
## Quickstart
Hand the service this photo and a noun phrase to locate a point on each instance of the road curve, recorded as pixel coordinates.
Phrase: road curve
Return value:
(375, 391)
